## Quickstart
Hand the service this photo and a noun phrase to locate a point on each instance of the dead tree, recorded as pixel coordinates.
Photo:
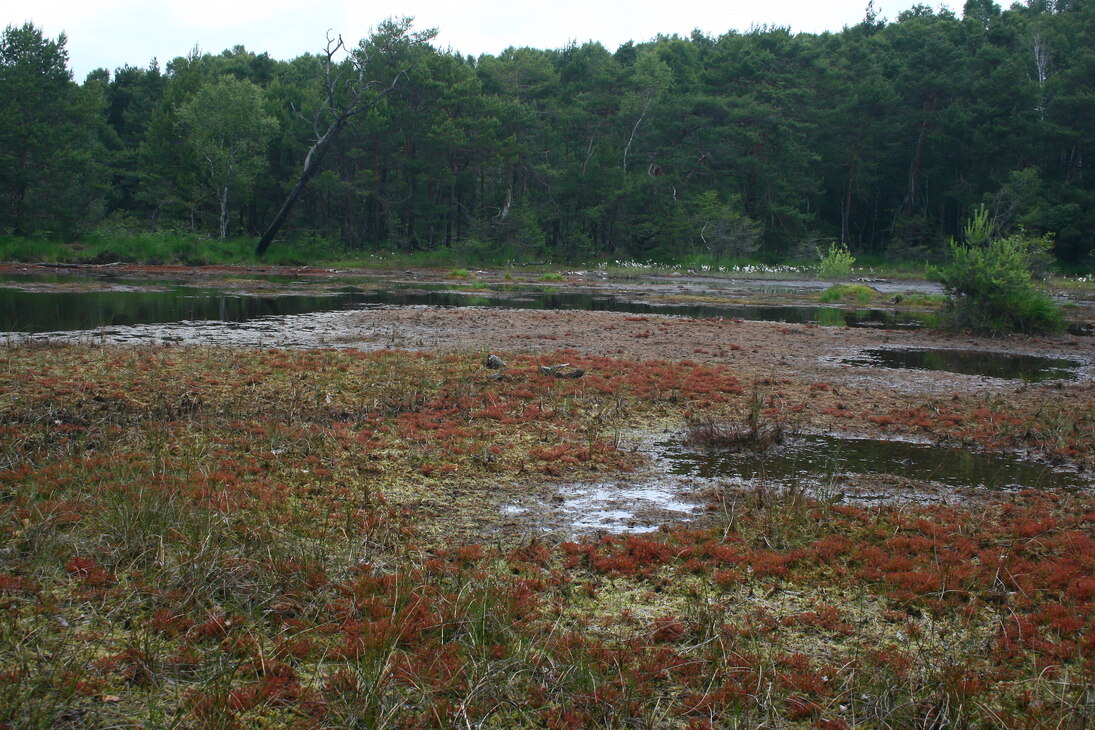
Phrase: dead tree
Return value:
(363, 95)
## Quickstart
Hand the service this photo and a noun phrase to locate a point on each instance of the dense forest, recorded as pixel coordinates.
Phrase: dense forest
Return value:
(760, 144)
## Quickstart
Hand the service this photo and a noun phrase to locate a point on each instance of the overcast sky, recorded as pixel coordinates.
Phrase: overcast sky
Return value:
(112, 33)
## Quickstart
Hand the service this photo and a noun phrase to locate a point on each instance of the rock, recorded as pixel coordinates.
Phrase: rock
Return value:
(557, 371)
(494, 362)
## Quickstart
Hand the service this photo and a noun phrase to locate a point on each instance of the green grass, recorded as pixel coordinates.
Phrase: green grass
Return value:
(186, 249)
(917, 299)
(849, 293)
(163, 249)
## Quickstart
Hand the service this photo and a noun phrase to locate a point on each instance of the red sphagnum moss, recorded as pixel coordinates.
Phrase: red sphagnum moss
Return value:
(205, 537)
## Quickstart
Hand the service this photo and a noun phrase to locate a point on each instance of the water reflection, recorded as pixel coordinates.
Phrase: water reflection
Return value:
(23, 311)
(38, 311)
(1030, 368)
(810, 458)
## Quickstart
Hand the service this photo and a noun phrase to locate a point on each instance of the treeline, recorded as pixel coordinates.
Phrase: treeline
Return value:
(883, 136)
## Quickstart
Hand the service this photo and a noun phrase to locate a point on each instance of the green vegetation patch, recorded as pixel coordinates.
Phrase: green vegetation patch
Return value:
(857, 293)
(836, 262)
(989, 281)
(917, 299)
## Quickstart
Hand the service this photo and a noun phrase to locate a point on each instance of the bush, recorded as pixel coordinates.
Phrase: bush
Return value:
(990, 283)
(837, 262)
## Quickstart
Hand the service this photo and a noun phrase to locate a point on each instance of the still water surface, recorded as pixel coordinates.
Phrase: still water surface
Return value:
(128, 303)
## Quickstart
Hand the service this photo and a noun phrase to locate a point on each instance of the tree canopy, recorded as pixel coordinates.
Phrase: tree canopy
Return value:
(883, 137)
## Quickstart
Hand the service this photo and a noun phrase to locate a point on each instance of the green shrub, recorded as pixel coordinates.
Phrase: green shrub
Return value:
(990, 284)
(552, 276)
(835, 263)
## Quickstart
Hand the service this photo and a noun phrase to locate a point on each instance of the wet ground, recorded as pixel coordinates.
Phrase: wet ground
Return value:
(685, 483)
(36, 302)
(769, 332)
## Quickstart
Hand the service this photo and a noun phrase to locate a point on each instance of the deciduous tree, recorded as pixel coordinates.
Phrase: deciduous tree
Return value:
(228, 129)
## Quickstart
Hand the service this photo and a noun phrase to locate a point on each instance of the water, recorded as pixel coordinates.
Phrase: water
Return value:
(854, 469)
(813, 459)
(1029, 368)
(621, 507)
(35, 311)
(831, 316)
(136, 303)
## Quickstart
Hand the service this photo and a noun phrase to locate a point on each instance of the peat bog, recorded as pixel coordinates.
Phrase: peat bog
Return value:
(314, 537)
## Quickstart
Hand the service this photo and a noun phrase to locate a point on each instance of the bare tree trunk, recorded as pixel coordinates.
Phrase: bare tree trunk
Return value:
(1039, 46)
(634, 130)
(846, 209)
(918, 157)
(509, 202)
(222, 197)
(311, 166)
(341, 116)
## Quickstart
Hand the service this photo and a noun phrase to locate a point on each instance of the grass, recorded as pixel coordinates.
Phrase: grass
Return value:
(857, 293)
(119, 244)
(161, 249)
(915, 299)
(217, 538)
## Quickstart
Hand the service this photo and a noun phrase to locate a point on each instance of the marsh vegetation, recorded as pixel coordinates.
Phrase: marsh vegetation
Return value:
(204, 536)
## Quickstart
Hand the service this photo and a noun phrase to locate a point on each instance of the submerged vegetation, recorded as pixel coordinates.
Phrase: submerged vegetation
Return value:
(206, 537)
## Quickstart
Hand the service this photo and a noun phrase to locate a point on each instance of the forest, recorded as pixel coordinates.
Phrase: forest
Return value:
(761, 144)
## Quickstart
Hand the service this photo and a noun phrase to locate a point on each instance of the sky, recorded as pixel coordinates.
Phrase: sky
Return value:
(112, 33)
